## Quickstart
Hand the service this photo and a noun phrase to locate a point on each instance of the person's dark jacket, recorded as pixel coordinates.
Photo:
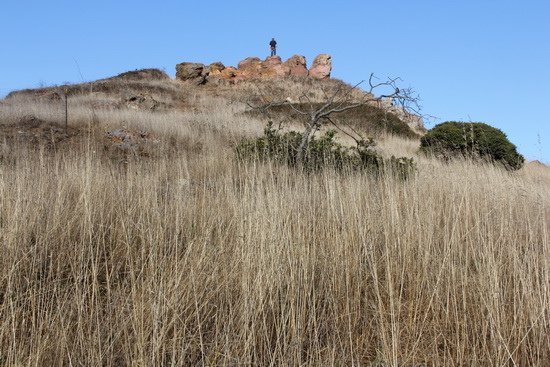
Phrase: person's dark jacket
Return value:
(273, 43)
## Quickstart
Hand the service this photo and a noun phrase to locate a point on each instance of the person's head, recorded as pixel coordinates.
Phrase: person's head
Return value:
(273, 38)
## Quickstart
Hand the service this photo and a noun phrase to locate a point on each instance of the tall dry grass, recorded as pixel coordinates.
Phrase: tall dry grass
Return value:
(198, 260)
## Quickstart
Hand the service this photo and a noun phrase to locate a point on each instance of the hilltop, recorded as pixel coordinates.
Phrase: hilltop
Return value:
(128, 104)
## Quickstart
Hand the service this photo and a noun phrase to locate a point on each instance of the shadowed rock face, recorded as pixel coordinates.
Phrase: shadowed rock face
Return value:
(321, 67)
(253, 68)
(215, 68)
(189, 70)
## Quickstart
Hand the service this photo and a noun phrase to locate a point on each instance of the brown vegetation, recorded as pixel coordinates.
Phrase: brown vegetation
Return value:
(185, 257)
(364, 118)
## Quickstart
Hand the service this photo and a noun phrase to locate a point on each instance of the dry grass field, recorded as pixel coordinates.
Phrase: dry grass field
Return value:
(183, 256)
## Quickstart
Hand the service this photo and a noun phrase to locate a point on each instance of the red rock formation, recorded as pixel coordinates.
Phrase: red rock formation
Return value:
(321, 67)
(273, 66)
(254, 68)
(296, 65)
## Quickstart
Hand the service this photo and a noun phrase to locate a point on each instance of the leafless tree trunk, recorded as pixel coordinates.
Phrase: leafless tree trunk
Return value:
(306, 137)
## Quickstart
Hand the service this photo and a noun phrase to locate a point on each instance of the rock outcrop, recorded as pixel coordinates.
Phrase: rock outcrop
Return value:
(250, 68)
(321, 67)
(253, 68)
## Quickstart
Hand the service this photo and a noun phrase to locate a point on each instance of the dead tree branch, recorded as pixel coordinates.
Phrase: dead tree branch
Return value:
(341, 99)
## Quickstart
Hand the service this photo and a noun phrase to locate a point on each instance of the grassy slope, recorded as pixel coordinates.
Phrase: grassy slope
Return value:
(190, 258)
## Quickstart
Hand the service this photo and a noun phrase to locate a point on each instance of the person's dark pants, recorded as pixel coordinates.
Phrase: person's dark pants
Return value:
(273, 51)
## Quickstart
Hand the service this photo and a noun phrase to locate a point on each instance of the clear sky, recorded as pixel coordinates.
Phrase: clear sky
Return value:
(470, 60)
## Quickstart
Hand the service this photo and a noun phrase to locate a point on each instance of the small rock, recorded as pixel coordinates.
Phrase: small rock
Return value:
(143, 101)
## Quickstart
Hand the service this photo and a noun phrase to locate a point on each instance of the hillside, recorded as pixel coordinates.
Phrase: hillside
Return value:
(143, 100)
(132, 236)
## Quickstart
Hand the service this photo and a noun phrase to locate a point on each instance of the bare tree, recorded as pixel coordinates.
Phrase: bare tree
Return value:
(344, 98)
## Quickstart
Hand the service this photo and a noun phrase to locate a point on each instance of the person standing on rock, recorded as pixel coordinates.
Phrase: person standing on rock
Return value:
(273, 45)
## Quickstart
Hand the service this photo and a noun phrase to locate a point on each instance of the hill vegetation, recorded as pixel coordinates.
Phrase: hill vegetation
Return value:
(472, 139)
(134, 237)
(365, 118)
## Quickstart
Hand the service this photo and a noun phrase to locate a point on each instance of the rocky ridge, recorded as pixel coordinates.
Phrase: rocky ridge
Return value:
(254, 68)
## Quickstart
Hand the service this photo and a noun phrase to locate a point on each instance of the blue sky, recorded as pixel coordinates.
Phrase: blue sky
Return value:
(469, 60)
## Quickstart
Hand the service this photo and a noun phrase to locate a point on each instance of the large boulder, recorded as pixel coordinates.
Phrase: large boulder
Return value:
(273, 66)
(272, 61)
(189, 71)
(250, 63)
(321, 67)
(214, 69)
(250, 68)
(296, 65)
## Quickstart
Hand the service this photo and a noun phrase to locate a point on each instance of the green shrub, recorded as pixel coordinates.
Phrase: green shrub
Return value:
(471, 139)
(322, 152)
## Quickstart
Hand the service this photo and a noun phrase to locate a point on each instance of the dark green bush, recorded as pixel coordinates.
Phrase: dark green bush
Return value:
(471, 139)
(322, 152)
